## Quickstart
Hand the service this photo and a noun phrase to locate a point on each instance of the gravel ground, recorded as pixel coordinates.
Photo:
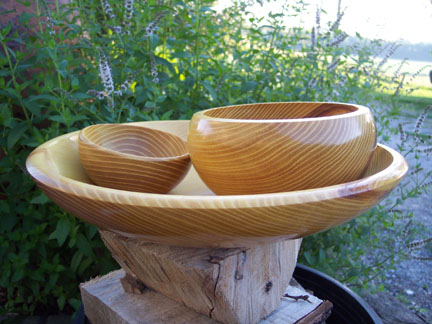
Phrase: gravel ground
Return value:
(411, 281)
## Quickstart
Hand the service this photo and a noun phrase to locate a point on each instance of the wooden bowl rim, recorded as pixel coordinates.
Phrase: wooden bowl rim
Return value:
(49, 177)
(83, 138)
(360, 110)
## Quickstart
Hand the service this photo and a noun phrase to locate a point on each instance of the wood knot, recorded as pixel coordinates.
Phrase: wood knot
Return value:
(132, 285)
(268, 286)
(215, 260)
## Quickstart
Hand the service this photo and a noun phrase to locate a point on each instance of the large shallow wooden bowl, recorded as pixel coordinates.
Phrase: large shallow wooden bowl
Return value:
(133, 158)
(275, 147)
(192, 216)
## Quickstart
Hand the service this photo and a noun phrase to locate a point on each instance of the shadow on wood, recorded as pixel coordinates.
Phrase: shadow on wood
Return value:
(229, 285)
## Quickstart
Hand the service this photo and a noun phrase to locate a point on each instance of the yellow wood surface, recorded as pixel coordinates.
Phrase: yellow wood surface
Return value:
(275, 147)
(133, 158)
(192, 216)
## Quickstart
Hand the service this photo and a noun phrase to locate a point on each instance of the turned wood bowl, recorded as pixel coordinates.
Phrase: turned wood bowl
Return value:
(275, 147)
(133, 158)
(192, 216)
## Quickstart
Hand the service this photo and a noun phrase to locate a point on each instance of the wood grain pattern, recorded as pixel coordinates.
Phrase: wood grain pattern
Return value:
(276, 147)
(229, 285)
(192, 216)
(105, 302)
(133, 158)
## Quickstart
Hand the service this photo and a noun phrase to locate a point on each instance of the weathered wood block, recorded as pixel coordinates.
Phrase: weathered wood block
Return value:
(105, 302)
(228, 285)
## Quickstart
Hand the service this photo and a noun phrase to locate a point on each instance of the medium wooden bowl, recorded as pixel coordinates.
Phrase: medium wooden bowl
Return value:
(133, 158)
(191, 215)
(276, 147)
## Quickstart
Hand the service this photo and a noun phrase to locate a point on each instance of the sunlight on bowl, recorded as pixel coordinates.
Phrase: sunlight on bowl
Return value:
(191, 215)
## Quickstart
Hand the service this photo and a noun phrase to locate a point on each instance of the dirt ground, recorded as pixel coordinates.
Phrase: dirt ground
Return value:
(411, 281)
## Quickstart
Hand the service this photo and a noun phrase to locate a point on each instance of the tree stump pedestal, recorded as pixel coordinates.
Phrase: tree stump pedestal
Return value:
(173, 285)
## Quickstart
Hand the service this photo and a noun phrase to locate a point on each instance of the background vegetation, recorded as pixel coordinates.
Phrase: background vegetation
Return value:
(112, 61)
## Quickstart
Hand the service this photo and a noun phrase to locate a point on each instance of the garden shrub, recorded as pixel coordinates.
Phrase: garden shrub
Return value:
(93, 62)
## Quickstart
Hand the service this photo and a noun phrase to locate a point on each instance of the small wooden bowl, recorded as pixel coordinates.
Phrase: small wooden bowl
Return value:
(133, 158)
(191, 215)
(277, 147)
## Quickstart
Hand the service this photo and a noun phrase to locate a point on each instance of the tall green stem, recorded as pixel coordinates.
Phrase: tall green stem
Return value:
(196, 49)
(16, 85)
(57, 7)
(269, 54)
(60, 82)
(38, 14)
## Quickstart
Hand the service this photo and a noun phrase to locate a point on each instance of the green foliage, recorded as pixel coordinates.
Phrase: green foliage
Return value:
(364, 249)
(196, 58)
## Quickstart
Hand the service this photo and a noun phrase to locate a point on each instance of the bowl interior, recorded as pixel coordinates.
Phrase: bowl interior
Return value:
(68, 165)
(284, 110)
(135, 140)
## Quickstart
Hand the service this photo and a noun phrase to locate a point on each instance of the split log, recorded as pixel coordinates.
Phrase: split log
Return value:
(105, 302)
(229, 285)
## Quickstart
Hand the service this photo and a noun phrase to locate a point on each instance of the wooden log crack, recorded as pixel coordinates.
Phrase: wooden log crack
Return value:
(215, 260)
(236, 285)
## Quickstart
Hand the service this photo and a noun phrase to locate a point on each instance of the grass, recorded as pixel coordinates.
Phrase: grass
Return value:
(416, 101)
(424, 91)
(410, 106)
(421, 96)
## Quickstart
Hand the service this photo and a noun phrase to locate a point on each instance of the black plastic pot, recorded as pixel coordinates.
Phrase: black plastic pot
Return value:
(348, 307)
